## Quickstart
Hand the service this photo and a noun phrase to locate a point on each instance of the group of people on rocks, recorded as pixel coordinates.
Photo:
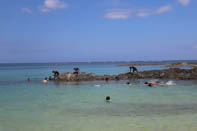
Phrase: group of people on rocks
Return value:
(77, 72)
(132, 69)
(56, 75)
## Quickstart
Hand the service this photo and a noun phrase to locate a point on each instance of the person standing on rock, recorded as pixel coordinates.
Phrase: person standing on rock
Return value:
(134, 69)
(76, 71)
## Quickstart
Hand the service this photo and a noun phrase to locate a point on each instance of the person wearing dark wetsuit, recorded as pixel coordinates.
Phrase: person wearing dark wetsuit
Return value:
(134, 69)
(56, 74)
(76, 70)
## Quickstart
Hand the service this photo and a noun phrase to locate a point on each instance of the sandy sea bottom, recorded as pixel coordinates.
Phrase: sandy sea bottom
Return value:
(82, 107)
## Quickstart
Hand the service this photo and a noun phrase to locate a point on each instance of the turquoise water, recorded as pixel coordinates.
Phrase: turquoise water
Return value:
(81, 106)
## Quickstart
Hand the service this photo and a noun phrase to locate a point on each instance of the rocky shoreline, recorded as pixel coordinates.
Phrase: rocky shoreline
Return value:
(172, 73)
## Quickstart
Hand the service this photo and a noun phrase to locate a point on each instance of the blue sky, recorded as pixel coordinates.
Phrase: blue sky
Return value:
(97, 30)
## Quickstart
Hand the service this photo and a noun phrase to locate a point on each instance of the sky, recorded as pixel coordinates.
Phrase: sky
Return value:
(97, 30)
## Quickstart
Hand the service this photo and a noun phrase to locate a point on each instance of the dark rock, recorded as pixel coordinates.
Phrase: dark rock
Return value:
(172, 73)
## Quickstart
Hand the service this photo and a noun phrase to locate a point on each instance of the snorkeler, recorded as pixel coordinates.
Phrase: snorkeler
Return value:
(108, 99)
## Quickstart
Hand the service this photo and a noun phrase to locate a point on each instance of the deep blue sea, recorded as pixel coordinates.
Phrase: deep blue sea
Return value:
(35, 106)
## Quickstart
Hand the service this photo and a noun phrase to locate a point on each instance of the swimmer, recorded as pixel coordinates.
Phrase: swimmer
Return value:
(150, 85)
(28, 80)
(146, 83)
(129, 84)
(108, 99)
(50, 78)
(117, 78)
(45, 80)
(153, 83)
(106, 79)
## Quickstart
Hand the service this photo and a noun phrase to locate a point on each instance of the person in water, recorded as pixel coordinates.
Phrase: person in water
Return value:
(108, 99)
(45, 80)
(117, 78)
(134, 69)
(106, 79)
(56, 74)
(50, 78)
(28, 80)
(150, 85)
(146, 83)
(129, 84)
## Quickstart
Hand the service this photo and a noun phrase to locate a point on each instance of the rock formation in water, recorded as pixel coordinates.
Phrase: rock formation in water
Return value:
(172, 73)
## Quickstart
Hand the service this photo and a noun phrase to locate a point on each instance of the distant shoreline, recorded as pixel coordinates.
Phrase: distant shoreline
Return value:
(172, 65)
(150, 62)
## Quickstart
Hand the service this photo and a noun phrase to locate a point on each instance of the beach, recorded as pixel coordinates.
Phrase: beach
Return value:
(81, 106)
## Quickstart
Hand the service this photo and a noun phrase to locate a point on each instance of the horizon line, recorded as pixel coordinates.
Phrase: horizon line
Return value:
(97, 61)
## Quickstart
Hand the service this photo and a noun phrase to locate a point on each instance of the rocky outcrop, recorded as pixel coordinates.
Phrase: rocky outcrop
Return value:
(172, 73)
(172, 65)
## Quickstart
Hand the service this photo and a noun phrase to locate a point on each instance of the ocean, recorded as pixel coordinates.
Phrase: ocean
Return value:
(81, 106)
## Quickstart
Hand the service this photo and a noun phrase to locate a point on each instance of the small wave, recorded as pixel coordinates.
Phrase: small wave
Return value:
(97, 85)
(169, 83)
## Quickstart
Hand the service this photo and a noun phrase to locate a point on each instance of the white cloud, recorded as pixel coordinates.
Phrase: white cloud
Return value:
(163, 9)
(184, 2)
(27, 10)
(126, 13)
(118, 14)
(143, 13)
(149, 12)
(50, 5)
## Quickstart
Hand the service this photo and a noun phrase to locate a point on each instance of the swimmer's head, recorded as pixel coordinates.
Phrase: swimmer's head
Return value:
(28, 80)
(146, 83)
(106, 79)
(117, 78)
(128, 83)
(150, 85)
(108, 98)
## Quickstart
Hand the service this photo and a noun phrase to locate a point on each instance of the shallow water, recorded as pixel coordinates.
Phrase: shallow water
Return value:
(82, 107)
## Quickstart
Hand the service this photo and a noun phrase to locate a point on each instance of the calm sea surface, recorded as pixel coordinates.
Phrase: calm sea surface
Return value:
(81, 106)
